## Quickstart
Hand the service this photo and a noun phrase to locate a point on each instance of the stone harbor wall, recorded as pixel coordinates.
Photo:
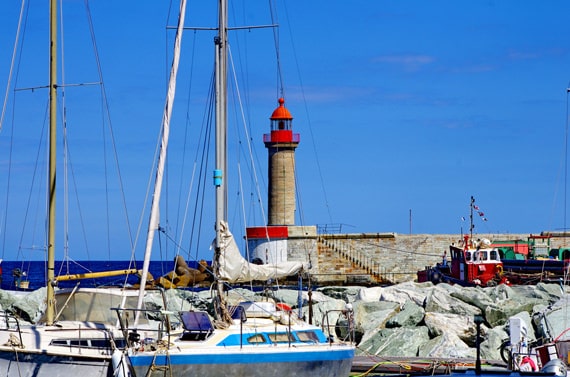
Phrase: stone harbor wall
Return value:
(378, 258)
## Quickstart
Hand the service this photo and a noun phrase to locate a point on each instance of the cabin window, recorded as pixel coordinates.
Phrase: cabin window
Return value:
(256, 339)
(83, 343)
(308, 337)
(281, 338)
(457, 254)
(468, 256)
(494, 255)
(483, 255)
(79, 343)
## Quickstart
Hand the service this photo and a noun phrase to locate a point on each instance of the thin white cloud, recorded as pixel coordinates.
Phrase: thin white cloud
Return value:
(327, 94)
(408, 62)
(520, 55)
(475, 68)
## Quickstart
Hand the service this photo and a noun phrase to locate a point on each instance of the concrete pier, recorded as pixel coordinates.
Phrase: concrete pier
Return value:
(377, 258)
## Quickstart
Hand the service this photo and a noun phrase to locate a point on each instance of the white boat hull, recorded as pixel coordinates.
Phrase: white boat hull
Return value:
(76, 346)
(252, 362)
(26, 364)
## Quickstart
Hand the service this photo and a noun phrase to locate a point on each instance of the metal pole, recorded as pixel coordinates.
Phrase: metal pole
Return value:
(50, 309)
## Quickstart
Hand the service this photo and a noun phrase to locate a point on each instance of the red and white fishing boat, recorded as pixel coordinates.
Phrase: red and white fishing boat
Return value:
(473, 262)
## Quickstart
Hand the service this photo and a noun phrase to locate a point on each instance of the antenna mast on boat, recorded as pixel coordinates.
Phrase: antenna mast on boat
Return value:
(471, 226)
(50, 310)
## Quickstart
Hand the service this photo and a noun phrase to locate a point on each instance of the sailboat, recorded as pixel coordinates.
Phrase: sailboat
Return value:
(245, 338)
(78, 333)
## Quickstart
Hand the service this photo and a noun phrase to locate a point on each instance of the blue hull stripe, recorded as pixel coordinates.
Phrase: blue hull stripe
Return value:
(242, 357)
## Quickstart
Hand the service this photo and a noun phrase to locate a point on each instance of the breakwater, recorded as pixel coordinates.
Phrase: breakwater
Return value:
(386, 258)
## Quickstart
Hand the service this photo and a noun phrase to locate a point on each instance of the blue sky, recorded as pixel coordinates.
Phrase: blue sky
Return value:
(404, 107)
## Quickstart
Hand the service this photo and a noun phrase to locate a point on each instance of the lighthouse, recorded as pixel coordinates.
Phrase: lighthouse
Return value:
(280, 240)
(281, 144)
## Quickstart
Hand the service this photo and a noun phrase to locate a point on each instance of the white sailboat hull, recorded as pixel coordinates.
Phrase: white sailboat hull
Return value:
(86, 352)
(81, 344)
(18, 363)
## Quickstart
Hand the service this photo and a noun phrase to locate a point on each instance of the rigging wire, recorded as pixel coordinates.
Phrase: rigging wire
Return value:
(19, 31)
(110, 128)
(245, 129)
(206, 134)
(566, 160)
(280, 81)
(245, 108)
(36, 176)
(179, 228)
(12, 62)
(567, 272)
(309, 123)
(66, 161)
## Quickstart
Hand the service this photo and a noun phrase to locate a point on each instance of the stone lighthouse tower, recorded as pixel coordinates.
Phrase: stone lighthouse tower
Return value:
(281, 144)
(280, 240)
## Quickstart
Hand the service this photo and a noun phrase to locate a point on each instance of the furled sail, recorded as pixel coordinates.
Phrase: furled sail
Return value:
(235, 269)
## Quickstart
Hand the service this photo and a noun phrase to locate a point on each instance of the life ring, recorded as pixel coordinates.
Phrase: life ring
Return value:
(499, 269)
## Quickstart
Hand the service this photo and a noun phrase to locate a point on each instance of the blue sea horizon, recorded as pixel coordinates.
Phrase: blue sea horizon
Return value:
(35, 272)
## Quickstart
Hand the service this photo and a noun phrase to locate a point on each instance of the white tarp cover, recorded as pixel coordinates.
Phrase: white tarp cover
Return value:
(235, 269)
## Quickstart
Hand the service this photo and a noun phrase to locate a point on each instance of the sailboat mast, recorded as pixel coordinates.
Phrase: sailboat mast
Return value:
(50, 310)
(166, 116)
(221, 116)
(221, 146)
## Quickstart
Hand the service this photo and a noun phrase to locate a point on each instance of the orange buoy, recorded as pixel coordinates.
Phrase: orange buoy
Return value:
(284, 307)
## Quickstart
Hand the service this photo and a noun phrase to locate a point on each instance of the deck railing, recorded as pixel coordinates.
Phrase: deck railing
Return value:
(356, 257)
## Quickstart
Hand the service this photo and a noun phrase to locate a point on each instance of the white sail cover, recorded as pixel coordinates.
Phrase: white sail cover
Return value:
(235, 269)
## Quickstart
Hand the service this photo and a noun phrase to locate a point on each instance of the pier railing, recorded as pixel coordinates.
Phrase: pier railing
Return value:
(358, 259)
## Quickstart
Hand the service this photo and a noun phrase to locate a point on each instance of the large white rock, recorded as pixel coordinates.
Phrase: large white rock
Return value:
(439, 300)
(460, 326)
(408, 291)
(492, 341)
(371, 317)
(369, 294)
(409, 316)
(553, 321)
(447, 345)
(402, 342)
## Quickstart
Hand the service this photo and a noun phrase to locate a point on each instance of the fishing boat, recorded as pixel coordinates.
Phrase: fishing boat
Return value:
(77, 334)
(243, 338)
(473, 262)
(482, 262)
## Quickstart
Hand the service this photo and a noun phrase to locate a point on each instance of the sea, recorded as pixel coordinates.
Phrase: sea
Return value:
(35, 272)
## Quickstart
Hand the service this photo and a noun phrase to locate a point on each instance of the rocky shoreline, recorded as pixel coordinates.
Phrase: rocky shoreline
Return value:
(404, 320)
